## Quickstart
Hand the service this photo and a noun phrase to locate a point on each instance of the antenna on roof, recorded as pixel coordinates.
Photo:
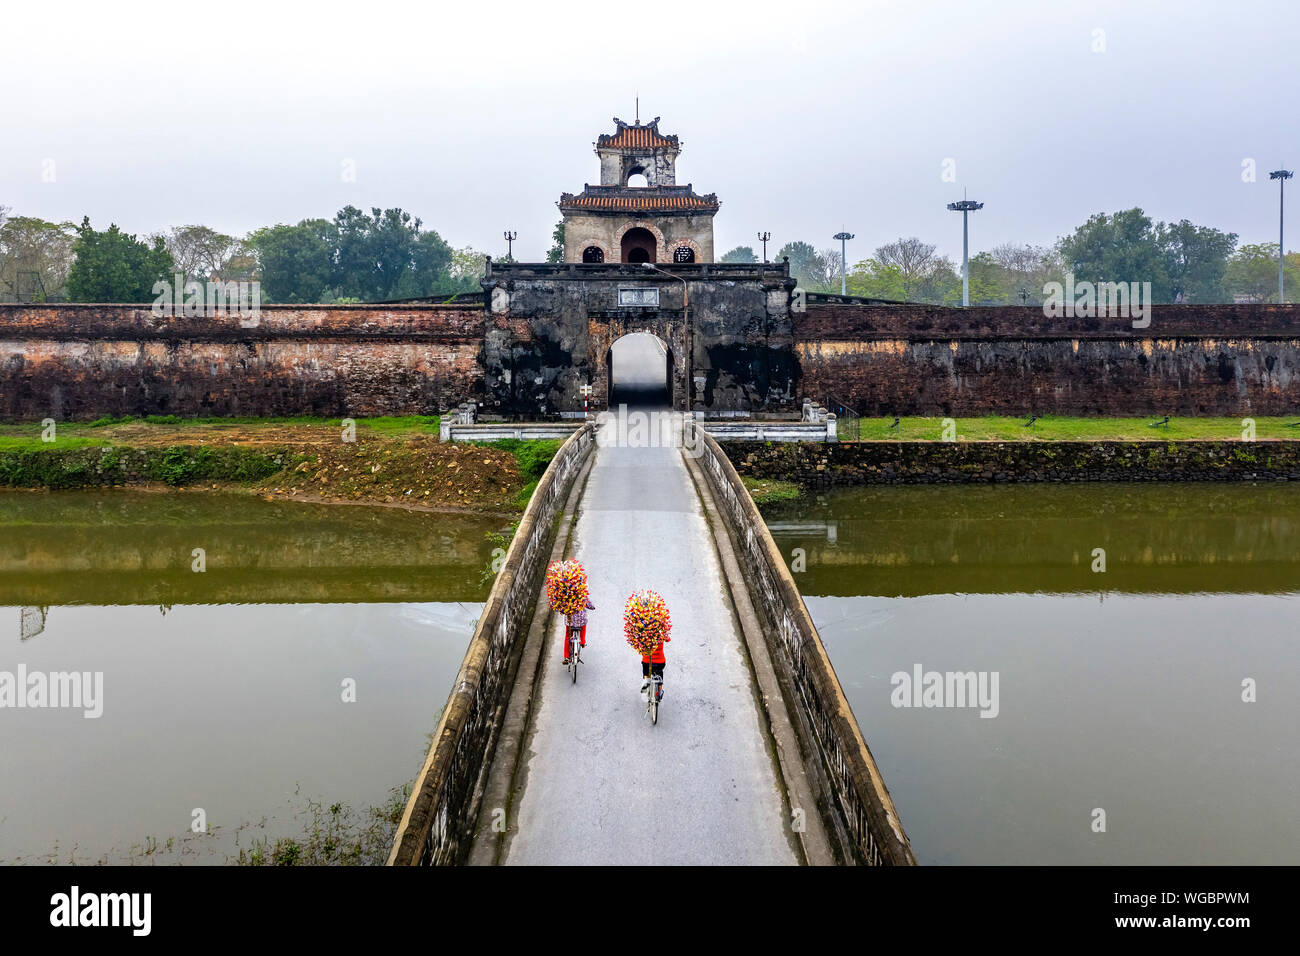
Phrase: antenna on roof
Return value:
(638, 111)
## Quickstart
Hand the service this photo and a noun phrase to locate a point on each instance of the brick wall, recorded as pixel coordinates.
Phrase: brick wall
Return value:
(1191, 360)
(549, 333)
(73, 362)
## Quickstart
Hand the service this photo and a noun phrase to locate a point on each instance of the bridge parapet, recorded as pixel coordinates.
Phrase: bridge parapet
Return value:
(436, 828)
(851, 790)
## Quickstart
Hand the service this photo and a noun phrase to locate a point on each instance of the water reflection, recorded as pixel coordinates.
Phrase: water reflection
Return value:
(909, 541)
(1120, 690)
(224, 690)
(138, 548)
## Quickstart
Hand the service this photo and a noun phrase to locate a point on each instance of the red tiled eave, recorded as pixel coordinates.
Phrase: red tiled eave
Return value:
(656, 202)
(637, 137)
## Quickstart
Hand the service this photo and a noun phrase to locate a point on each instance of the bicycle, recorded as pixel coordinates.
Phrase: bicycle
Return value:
(654, 692)
(575, 651)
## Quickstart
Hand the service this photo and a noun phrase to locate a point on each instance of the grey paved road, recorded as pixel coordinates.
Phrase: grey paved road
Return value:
(601, 784)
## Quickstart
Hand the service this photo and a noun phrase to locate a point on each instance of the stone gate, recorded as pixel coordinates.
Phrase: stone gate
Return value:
(727, 329)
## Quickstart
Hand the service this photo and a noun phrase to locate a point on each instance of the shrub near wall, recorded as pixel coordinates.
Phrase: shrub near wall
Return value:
(175, 465)
(862, 463)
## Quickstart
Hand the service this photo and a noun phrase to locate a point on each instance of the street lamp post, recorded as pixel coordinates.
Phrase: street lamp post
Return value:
(965, 207)
(1281, 175)
(844, 238)
(510, 244)
(763, 237)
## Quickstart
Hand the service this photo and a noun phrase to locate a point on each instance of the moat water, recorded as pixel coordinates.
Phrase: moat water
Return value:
(308, 660)
(1119, 692)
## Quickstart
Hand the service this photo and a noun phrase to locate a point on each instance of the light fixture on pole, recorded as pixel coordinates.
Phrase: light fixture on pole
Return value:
(763, 237)
(510, 245)
(965, 207)
(1281, 175)
(843, 237)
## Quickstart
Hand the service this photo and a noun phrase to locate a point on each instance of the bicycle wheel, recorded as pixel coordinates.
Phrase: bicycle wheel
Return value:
(573, 661)
(654, 703)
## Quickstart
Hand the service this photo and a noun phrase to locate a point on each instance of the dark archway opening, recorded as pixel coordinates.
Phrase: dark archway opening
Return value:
(683, 254)
(640, 368)
(593, 254)
(638, 245)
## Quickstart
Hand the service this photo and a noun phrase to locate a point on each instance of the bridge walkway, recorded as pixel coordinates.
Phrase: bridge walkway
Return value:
(600, 784)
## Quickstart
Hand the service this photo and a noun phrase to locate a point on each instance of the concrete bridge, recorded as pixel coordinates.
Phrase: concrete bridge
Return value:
(756, 759)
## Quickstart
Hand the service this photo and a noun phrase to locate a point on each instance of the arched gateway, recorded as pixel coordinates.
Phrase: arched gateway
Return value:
(727, 330)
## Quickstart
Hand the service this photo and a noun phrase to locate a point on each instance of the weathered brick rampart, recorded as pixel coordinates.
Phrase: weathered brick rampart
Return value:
(1191, 360)
(547, 333)
(84, 361)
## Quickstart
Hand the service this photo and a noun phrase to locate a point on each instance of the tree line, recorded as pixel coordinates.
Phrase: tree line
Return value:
(1182, 261)
(355, 257)
(387, 254)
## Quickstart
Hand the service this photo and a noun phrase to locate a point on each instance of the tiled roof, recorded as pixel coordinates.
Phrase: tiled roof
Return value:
(637, 137)
(619, 199)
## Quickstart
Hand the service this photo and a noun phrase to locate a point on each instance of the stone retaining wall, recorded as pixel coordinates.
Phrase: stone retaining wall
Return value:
(855, 801)
(902, 462)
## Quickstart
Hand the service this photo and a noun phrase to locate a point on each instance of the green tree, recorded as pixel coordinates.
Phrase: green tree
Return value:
(112, 266)
(296, 263)
(30, 245)
(1196, 258)
(556, 252)
(874, 279)
(468, 266)
(427, 272)
(1123, 247)
(916, 273)
(806, 265)
(1252, 273)
(1025, 269)
(199, 252)
(386, 255)
(988, 281)
(739, 254)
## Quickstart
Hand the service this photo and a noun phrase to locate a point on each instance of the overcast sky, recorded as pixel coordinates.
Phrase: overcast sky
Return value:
(804, 117)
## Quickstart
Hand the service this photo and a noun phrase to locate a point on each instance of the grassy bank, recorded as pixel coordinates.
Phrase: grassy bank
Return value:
(1057, 428)
(388, 460)
(768, 490)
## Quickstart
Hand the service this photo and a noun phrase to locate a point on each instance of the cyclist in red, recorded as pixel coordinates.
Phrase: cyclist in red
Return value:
(653, 664)
(576, 621)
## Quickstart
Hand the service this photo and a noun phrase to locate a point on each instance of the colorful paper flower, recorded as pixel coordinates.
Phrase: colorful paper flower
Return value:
(646, 621)
(566, 586)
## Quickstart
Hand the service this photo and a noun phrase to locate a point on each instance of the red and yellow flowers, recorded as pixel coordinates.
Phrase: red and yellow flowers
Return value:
(566, 586)
(645, 620)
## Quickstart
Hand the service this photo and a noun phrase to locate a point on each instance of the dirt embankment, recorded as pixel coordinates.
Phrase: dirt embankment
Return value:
(378, 461)
(413, 471)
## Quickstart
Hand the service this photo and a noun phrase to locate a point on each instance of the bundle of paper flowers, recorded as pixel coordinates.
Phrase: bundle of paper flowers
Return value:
(566, 586)
(645, 620)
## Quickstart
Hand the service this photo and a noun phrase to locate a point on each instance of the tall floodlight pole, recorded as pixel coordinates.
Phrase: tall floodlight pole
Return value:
(763, 237)
(965, 207)
(844, 238)
(510, 245)
(1281, 175)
